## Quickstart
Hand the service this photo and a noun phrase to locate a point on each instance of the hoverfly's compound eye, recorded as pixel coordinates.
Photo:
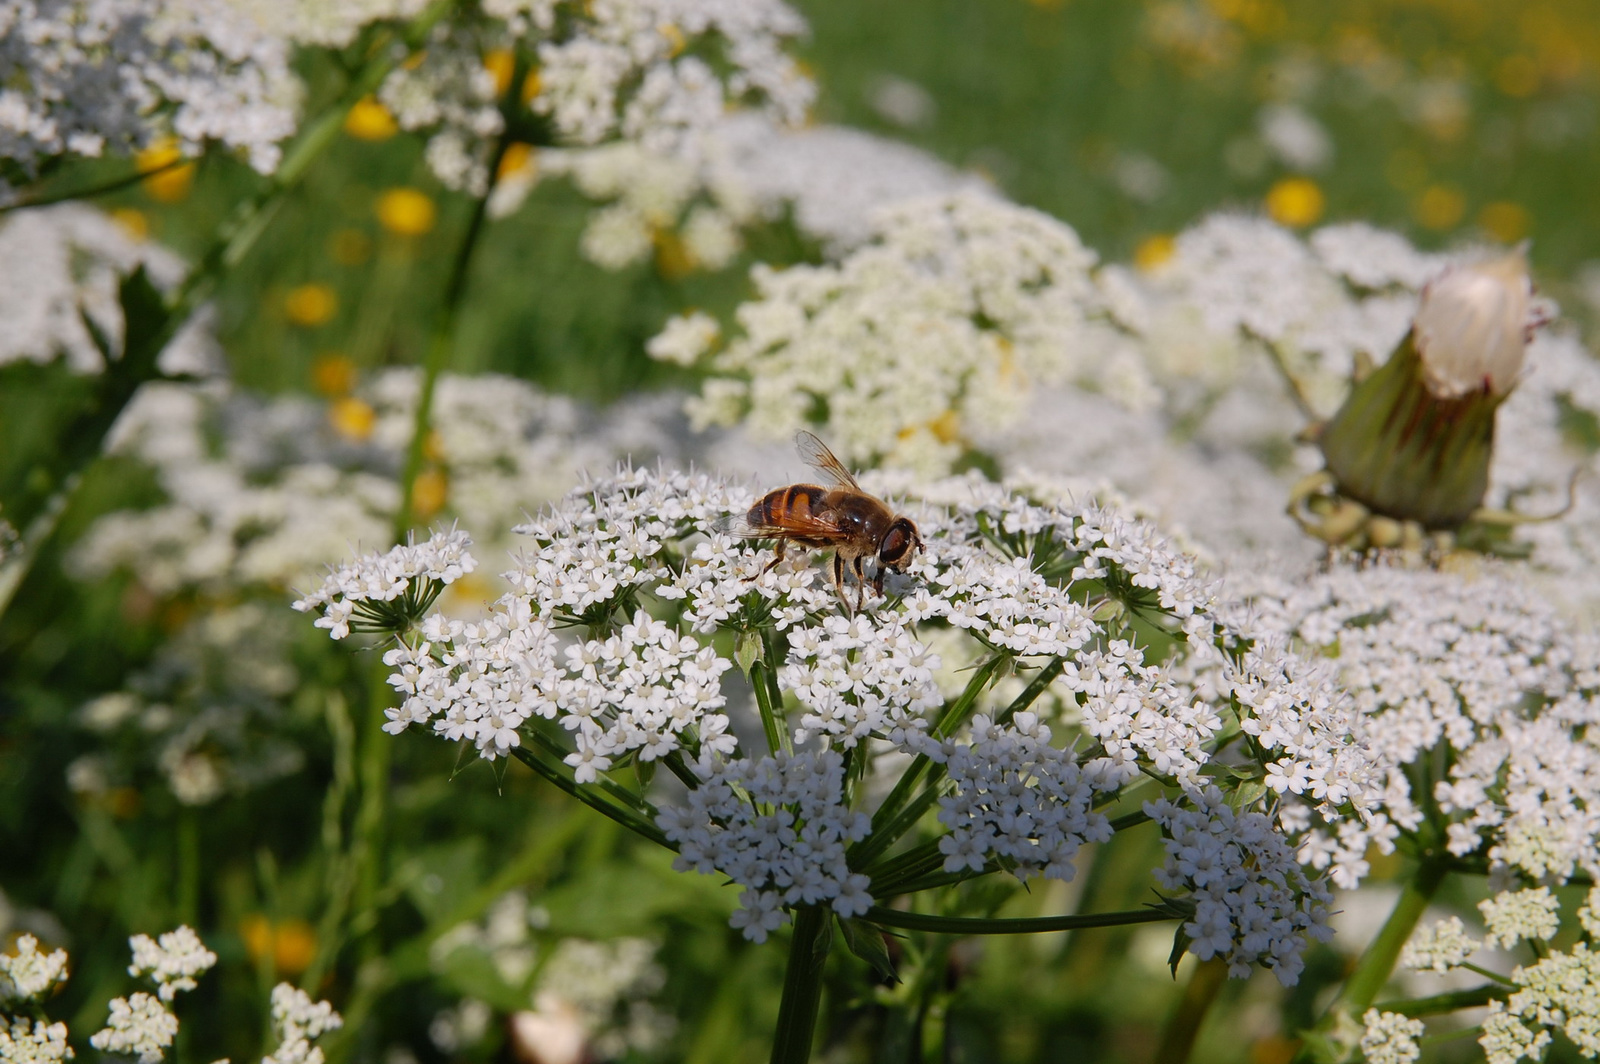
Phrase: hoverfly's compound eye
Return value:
(898, 544)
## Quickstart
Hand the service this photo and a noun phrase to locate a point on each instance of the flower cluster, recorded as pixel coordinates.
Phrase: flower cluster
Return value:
(1016, 800)
(635, 71)
(264, 491)
(611, 631)
(1253, 903)
(139, 1026)
(1478, 666)
(29, 973)
(297, 1020)
(86, 77)
(942, 323)
(778, 827)
(744, 170)
(1390, 1038)
(1439, 947)
(60, 268)
(41, 1043)
(377, 587)
(172, 962)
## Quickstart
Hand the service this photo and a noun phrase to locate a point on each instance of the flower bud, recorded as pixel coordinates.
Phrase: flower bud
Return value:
(1471, 328)
(1414, 439)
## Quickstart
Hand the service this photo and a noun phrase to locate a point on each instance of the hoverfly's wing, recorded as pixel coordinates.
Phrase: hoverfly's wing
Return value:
(818, 457)
(823, 527)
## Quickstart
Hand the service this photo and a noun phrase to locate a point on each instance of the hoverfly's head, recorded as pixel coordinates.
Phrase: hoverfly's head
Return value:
(899, 544)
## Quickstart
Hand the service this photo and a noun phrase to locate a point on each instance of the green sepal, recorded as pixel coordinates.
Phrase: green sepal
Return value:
(747, 650)
(867, 942)
(1404, 453)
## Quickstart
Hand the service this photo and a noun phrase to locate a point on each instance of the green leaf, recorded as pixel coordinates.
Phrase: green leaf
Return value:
(747, 651)
(867, 942)
(144, 312)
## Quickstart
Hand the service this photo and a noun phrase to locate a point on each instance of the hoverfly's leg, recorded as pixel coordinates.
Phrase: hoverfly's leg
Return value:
(777, 558)
(877, 577)
(838, 582)
(861, 582)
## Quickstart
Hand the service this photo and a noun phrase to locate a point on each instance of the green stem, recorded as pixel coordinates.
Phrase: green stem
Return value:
(1183, 1026)
(108, 187)
(1372, 971)
(1375, 965)
(1438, 1004)
(188, 866)
(962, 925)
(626, 817)
(802, 986)
(879, 839)
(442, 340)
(368, 844)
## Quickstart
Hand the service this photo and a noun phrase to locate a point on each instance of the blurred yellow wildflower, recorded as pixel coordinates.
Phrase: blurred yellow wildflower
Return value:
(1154, 251)
(292, 944)
(132, 221)
(1517, 76)
(333, 374)
(517, 157)
(531, 85)
(1504, 220)
(370, 120)
(502, 64)
(1440, 206)
(352, 418)
(406, 211)
(1296, 202)
(311, 304)
(429, 492)
(171, 183)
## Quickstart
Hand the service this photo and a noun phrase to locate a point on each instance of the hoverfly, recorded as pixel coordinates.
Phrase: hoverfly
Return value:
(839, 515)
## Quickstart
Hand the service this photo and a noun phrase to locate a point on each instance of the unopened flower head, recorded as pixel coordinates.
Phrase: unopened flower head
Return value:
(1512, 916)
(1440, 946)
(610, 634)
(1471, 329)
(298, 1021)
(1390, 1038)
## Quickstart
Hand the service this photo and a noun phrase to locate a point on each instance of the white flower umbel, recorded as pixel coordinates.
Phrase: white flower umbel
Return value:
(1017, 800)
(91, 77)
(59, 271)
(41, 1043)
(1512, 916)
(940, 325)
(140, 1026)
(1559, 993)
(601, 71)
(29, 973)
(172, 962)
(612, 651)
(389, 592)
(1440, 946)
(1390, 1038)
(298, 1021)
(1474, 664)
(778, 827)
(1253, 903)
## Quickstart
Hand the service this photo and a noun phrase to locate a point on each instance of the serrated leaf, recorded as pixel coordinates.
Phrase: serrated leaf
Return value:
(866, 942)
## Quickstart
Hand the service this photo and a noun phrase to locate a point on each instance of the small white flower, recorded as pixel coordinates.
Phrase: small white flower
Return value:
(140, 1026)
(173, 962)
(1390, 1038)
(29, 973)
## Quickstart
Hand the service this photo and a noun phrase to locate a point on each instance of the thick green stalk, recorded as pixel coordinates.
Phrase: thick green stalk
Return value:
(1376, 964)
(376, 747)
(802, 986)
(443, 338)
(1028, 925)
(1183, 1026)
(1455, 1000)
